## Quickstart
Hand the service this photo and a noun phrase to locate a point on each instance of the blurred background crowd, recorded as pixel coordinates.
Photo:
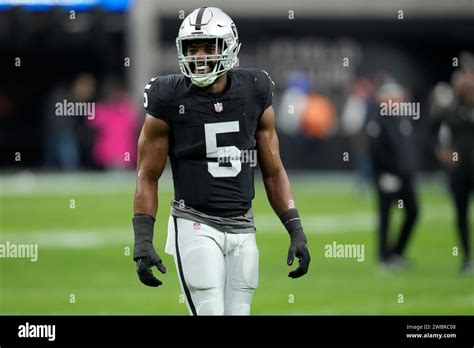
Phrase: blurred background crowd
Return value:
(328, 66)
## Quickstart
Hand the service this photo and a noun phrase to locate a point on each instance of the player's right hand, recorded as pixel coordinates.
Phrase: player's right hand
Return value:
(143, 252)
(145, 264)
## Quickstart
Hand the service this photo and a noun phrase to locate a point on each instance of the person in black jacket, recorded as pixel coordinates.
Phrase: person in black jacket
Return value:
(393, 152)
(454, 122)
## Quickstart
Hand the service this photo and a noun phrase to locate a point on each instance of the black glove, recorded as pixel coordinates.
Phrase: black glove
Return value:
(143, 252)
(298, 246)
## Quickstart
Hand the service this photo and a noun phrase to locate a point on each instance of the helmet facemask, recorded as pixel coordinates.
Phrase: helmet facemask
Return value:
(217, 64)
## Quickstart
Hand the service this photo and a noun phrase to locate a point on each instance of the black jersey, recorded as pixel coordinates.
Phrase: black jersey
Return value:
(208, 133)
(459, 120)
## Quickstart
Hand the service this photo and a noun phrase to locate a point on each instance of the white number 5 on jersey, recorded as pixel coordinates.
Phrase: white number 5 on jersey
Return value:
(213, 151)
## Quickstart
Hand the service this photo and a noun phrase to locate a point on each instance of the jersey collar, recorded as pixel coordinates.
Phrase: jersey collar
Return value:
(231, 92)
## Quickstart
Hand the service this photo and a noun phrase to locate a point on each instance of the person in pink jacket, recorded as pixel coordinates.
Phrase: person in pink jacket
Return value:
(115, 124)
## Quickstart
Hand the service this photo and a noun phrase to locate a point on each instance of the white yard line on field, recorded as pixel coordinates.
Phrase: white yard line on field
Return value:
(69, 239)
(318, 224)
(26, 183)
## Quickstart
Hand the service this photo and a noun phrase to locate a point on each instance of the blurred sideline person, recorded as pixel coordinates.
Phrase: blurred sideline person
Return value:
(318, 116)
(353, 122)
(62, 143)
(393, 153)
(204, 120)
(453, 113)
(115, 125)
(293, 103)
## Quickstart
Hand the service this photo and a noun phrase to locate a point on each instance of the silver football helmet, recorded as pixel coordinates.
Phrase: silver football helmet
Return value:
(207, 23)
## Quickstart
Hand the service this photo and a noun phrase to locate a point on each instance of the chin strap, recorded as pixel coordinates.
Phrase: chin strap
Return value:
(203, 81)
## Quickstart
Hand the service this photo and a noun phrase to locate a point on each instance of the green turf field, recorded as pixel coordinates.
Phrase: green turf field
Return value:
(83, 251)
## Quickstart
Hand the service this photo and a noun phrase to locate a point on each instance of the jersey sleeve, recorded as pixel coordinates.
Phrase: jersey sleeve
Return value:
(265, 89)
(153, 100)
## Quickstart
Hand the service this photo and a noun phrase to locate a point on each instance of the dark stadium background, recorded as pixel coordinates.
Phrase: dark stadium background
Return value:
(419, 52)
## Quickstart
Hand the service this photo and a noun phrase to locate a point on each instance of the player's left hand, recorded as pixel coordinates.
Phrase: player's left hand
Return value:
(298, 248)
(145, 274)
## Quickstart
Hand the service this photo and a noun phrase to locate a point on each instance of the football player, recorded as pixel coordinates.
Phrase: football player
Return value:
(205, 119)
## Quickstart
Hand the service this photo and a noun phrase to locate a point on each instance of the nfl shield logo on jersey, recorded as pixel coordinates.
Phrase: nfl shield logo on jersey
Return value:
(218, 107)
(197, 226)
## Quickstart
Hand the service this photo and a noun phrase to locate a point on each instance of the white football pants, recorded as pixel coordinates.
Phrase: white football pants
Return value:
(218, 271)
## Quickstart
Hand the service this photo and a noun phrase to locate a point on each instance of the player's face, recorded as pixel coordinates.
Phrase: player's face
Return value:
(202, 55)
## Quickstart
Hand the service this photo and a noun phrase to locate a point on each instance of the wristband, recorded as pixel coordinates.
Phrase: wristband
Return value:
(291, 220)
(143, 230)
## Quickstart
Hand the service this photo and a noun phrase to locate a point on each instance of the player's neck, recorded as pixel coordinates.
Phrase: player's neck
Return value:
(218, 86)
